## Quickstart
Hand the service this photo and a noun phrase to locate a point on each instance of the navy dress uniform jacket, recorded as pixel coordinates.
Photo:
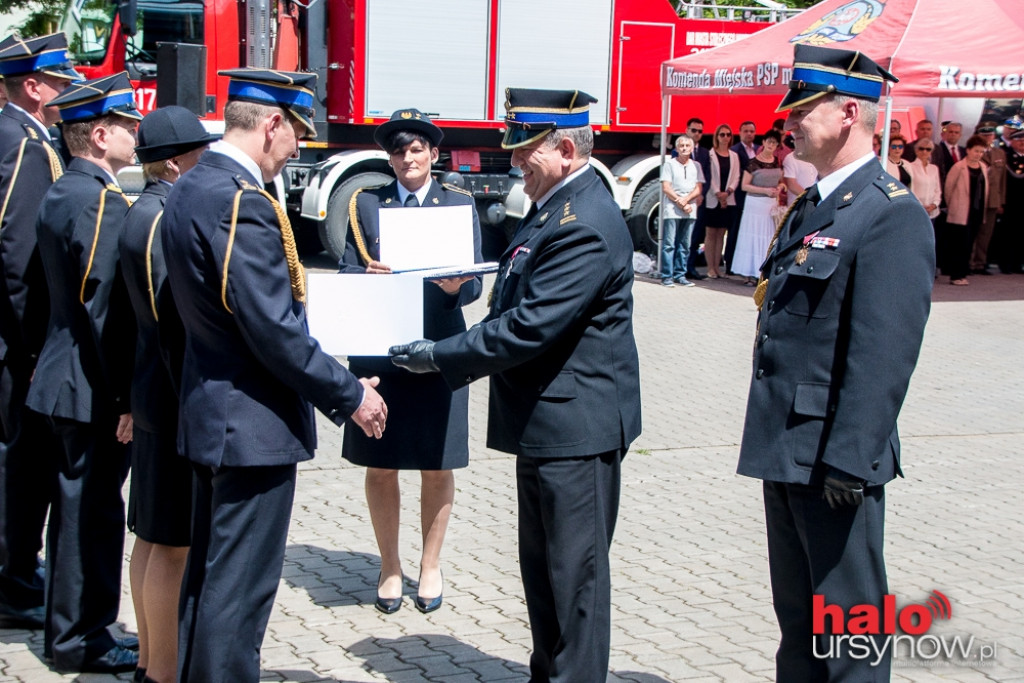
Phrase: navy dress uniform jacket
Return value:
(28, 166)
(84, 369)
(422, 410)
(558, 341)
(153, 398)
(836, 341)
(82, 383)
(250, 369)
(26, 173)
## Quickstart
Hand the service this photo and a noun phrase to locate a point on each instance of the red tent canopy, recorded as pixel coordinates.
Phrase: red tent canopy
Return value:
(937, 48)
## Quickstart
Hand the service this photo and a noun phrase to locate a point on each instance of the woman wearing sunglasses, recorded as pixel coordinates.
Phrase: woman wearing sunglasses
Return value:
(721, 199)
(894, 164)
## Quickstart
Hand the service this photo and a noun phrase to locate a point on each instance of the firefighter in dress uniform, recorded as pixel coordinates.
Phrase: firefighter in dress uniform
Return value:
(565, 390)
(844, 295)
(83, 378)
(251, 374)
(34, 71)
(428, 423)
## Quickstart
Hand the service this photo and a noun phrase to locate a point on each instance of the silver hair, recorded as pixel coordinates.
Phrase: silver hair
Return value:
(582, 137)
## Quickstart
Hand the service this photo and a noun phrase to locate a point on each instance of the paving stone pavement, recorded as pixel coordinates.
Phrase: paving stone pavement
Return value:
(691, 600)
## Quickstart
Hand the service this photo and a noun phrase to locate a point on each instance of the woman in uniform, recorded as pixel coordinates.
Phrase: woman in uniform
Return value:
(427, 422)
(171, 140)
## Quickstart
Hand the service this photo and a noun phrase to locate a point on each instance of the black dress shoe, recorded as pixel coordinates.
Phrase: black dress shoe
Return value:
(387, 605)
(115, 660)
(140, 675)
(694, 275)
(128, 642)
(27, 617)
(427, 605)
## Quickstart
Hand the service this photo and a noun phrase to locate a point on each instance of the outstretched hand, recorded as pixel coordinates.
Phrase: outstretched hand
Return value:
(372, 413)
(417, 356)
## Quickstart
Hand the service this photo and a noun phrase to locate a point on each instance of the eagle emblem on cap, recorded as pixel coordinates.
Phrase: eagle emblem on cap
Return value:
(406, 114)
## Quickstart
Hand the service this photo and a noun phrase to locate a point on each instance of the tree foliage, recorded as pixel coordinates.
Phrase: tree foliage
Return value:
(715, 9)
(43, 16)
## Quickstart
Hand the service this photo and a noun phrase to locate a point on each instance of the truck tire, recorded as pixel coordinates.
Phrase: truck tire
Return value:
(642, 217)
(334, 228)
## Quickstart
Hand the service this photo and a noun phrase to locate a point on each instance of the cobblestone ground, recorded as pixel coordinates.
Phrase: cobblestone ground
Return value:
(690, 590)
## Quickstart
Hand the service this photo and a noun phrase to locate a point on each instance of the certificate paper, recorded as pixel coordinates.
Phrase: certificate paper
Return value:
(363, 315)
(426, 237)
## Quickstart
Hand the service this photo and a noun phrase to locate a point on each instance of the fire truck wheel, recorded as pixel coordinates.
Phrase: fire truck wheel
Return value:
(334, 228)
(642, 217)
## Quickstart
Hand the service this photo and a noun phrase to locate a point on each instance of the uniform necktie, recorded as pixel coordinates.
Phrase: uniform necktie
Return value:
(526, 219)
(411, 200)
(805, 209)
(956, 154)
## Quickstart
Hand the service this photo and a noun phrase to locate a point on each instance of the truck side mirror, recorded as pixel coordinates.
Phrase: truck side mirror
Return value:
(127, 11)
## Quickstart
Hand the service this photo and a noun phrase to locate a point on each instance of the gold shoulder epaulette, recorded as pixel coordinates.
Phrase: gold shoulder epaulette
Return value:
(892, 189)
(243, 183)
(456, 188)
(567, 215)
(111, 187)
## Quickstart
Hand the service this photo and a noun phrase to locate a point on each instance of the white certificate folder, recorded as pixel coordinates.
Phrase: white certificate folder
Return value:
(364, 315)
(426, 237)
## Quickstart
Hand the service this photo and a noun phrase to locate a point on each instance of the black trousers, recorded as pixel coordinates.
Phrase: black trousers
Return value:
(239, 533)
(813, 549)
(27, 480)
(734, 230)
(85, 542)
(567, 513)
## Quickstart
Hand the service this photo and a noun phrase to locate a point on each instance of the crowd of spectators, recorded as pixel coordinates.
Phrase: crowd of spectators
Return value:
(967, 190)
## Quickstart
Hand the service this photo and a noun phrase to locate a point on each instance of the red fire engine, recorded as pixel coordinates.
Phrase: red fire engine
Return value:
(452, 59)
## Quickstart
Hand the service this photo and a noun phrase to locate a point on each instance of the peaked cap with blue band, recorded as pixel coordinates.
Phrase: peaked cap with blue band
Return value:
(97, 97)
(820, 71)
(531, 114)
(44, 54)
(286, 89)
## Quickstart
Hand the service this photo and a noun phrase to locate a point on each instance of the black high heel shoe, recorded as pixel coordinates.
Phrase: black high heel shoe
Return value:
(387, 605)
(427, 605)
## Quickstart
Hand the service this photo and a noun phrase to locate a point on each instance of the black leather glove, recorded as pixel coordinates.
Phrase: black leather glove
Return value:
(842, 489)
(417, 356)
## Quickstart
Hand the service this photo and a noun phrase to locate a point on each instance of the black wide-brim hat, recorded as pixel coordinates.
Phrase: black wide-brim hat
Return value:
(408, 119)
(820, 71)
(168, 132)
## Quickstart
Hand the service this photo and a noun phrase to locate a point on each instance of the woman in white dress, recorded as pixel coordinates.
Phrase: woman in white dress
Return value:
(762, 181)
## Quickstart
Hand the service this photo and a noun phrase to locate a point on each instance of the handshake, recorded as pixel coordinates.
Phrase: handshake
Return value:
(417, 356)
(372, 413)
